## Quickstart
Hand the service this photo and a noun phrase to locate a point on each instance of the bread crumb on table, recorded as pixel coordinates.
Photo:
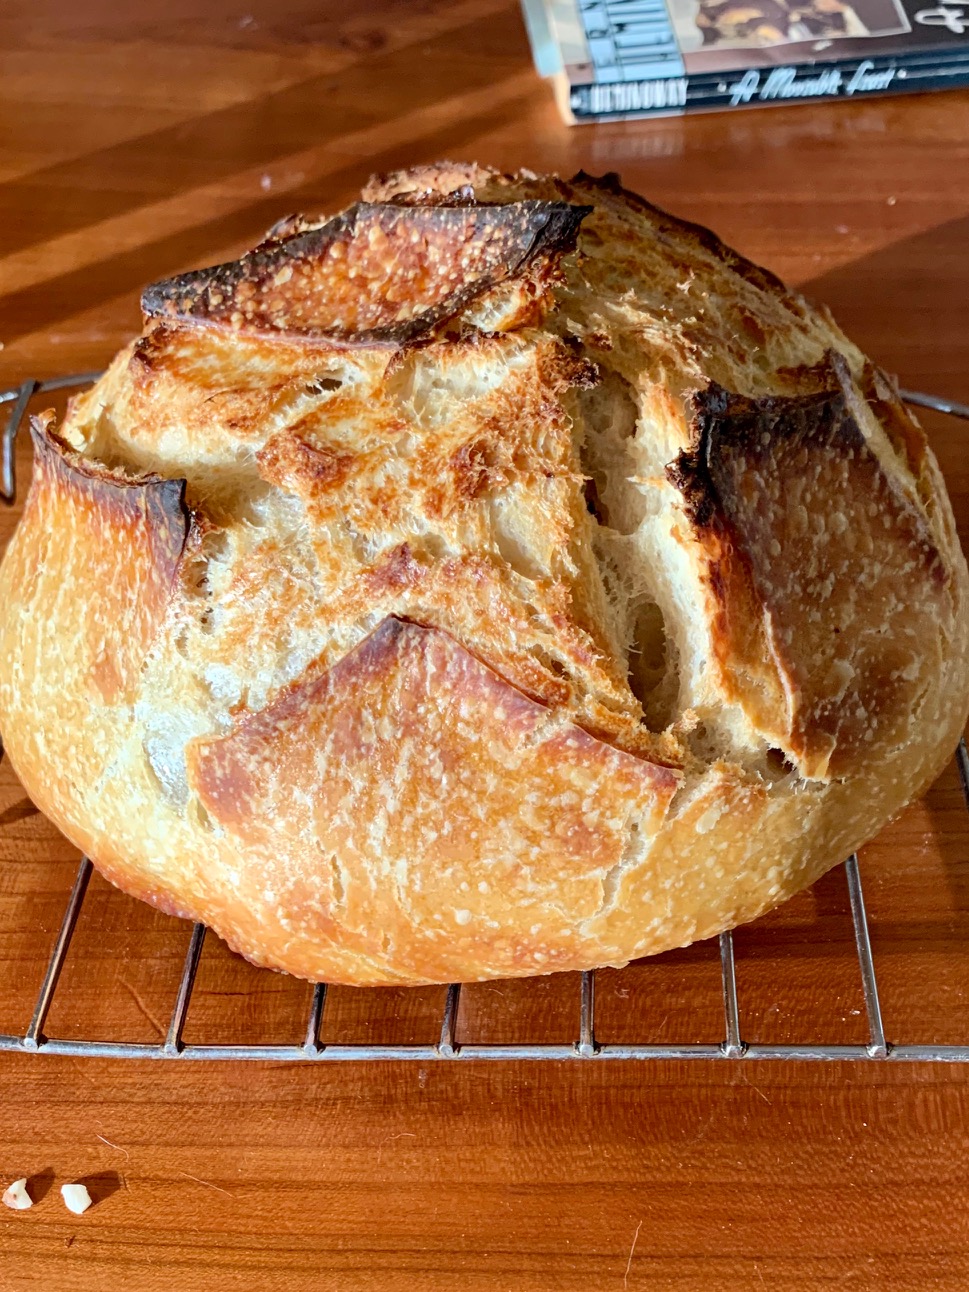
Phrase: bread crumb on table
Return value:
(76, 1198)
(16, 1196)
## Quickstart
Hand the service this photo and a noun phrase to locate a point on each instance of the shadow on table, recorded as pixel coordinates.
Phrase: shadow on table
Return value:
(908, 307)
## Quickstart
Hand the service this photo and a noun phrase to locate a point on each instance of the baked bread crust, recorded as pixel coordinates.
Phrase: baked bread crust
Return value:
(502, 576)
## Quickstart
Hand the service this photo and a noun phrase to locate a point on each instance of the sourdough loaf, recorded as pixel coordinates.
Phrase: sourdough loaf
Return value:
(502, 576)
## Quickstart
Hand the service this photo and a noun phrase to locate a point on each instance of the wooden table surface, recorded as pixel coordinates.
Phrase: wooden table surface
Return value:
(138, 140)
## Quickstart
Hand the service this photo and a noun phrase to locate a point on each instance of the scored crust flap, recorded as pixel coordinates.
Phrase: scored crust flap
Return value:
(409, 763)
(826, 588)
(92, 513)
(377, 274)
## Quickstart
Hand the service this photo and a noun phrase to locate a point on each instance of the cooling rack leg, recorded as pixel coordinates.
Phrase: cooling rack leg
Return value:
(33, 1037)
(446, 1047)
(20, 398)
(586, 1046)
(878, 1047)
(173, 1041)
(8, 479)
(933, 401)
(962, 762)
(312, 1046)
(733, 1047)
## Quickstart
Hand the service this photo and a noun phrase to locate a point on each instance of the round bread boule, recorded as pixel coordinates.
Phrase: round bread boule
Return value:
(500, 577)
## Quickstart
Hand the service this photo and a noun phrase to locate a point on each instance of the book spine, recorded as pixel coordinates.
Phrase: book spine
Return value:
(789, 83)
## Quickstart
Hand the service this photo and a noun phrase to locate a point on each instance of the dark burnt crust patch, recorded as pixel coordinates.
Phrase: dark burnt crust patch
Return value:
(824, 577)
(733, 434)
(725, 425)
(378, 274)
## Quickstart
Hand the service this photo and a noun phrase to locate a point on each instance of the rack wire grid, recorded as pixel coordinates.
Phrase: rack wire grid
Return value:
(446, 1045)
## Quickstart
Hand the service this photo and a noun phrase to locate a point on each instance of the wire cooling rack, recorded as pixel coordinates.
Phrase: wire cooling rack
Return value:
(445, 1045)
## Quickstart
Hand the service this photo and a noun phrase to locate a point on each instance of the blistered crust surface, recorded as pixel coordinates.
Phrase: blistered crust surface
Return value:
(79, 623)
(411, 765)
(95, 515)
(376, 274)
(827, 585)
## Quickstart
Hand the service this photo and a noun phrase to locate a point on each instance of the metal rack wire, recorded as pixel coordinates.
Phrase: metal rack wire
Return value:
(446, 1045)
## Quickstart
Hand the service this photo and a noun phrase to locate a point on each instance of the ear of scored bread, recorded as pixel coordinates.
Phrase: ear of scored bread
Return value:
(87, 582)
(824, 581)
(88, 514)
(377, 274)
(429, 756)
(497, 577)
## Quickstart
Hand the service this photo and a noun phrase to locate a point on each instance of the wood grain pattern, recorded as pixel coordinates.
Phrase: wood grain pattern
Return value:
(141, 141)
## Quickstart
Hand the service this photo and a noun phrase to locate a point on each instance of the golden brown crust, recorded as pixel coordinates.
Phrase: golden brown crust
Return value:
(100, 513)
(377, 274)
(505, 607)
(813, 555)
(434, 766)
(680, 229)
(451, 180)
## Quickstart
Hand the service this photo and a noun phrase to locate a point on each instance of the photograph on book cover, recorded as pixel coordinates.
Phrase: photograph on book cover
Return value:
(758, 24)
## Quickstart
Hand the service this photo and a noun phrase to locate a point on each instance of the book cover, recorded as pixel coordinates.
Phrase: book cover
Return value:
(614, 59)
